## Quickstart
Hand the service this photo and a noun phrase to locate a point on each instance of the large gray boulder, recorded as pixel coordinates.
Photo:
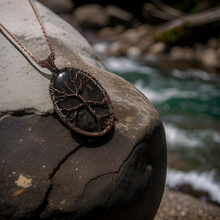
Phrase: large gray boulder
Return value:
(46, 170)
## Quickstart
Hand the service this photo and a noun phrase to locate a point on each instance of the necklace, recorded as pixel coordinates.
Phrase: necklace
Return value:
(78, 98)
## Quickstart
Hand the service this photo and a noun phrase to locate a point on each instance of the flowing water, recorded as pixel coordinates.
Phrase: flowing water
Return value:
(189, 105)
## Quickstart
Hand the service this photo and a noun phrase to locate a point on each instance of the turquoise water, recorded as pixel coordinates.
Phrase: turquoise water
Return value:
(189, 105)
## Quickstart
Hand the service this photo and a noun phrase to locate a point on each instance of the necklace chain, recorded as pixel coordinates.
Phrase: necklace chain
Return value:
(44, 33)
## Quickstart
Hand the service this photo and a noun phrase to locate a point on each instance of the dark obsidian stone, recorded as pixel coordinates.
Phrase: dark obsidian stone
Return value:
(81, 102)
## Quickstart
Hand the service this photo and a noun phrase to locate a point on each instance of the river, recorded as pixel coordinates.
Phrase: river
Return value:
(189, 105)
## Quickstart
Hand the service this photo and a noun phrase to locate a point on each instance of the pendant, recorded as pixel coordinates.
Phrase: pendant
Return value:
(79, 100)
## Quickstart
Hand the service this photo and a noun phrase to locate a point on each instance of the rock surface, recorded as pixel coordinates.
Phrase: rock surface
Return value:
(177, 205)
(119, 16)
(47, 171)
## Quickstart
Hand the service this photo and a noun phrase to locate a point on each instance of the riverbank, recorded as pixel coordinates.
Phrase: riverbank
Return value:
(181, 58)
(177, 205)
(145, 39)
(185, 101)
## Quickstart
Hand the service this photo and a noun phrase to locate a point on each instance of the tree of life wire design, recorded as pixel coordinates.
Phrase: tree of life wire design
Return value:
(81, 102)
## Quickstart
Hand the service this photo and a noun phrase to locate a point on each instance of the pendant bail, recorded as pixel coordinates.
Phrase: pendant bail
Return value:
(49, 63)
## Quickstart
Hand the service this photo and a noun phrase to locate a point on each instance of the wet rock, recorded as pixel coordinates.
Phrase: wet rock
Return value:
(144, 30)
(145, 43)
(91, 16)
(118, 15)
(200, 194)
(157, 48)
(133, 52)
(182, 53)
(118, 48)
(189, 53)
(59, 6)
(177, 52)
(210, 58)
(176, 205)
(48, 171)
(131, 36)
(108, 32)
(218, 51)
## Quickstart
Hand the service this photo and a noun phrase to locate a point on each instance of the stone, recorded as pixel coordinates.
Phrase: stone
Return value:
(145, 43)
(109, 32)
(182, 53)
(119, 16)
(218, 51)
(133, 52)
(177, 205)
(144, 30)
(157, 48)
(81, 102)
(118, 48)
(47, 170)
(210, 58)
(131, 36)
(91, 16)
(59, 6)
(177, 52)
(30, 154)
(189, 53)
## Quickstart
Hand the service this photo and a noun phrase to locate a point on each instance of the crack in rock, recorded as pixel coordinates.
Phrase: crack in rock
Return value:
(112, 184)
(64, 160)
(41, 210)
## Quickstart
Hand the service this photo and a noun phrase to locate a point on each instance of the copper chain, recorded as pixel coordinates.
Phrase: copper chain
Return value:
(44, 33)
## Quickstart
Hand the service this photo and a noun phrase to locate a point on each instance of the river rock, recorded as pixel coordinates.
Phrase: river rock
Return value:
(131, 36)
(210, 58)
(157, 48)
(189, 53)
(50, 172)
(119, 16)
(91, 16)
(109, 32)
(177, 52)
(177, 205)
(118, 48)
(133, 52)
(144, 30)
(59, 6)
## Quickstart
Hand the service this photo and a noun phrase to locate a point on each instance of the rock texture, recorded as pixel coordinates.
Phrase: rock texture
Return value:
(49, 172)
(177, 205)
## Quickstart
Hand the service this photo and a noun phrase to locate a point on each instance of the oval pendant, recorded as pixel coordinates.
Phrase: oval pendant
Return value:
(81, 102)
